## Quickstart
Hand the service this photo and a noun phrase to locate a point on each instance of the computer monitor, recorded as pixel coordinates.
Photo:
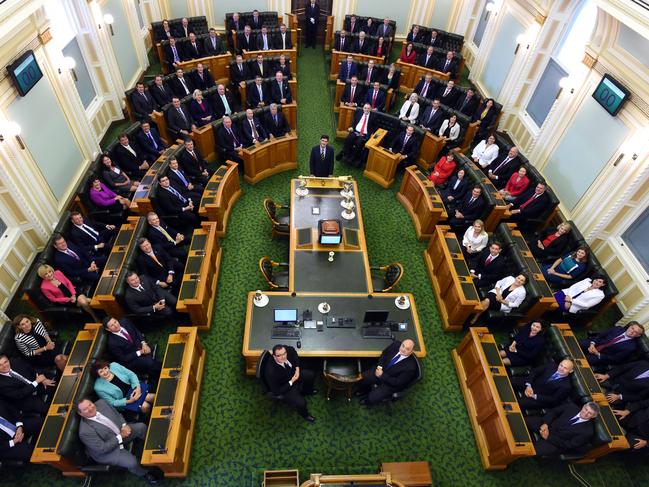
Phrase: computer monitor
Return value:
(285, 315)
(375, 316)
(330, 239)
(329, 232)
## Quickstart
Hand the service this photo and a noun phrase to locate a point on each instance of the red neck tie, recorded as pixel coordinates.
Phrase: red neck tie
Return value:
(369, 75)
(364, 126)
(374, 99)
(528, 202)
(127, 335)
(612, 341)
(489, 259)
(351, 98)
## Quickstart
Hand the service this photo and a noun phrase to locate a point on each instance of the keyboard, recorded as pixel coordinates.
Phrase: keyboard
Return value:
(341, 322)
(393, 325)
(376, 332)
(288, 333)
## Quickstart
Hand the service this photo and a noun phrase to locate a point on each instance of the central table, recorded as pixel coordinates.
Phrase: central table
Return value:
(344, 283)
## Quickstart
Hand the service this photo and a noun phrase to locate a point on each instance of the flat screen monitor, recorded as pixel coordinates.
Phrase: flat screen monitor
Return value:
(611, 94)
(330, 239)
(285, 315)
(375, 316)
(25, 72)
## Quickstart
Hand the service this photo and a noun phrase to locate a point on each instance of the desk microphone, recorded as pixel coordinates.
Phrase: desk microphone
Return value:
(200, 252)
(175, 373)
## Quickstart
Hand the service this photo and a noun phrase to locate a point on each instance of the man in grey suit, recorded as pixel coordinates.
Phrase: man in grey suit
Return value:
(104, 431)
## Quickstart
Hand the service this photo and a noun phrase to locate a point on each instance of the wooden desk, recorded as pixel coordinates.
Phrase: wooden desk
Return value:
(104, 297)
(381, 164)
(432, 144)
(345, 283)
(345, 120)
(411, 74)
(384, 478)
(168, 442)
(422, 202)
(501, 211)
(268, 158)
(204, 141)
(198, 288)
(289, 53)
(340, 88)
(141, 203)
(62, 406)
(583, 370)
(457, 297)
(292, 85)
(221, 192)
(218, 66)
(329, 33)
(338, 56)
(412, 474)
(500, 431)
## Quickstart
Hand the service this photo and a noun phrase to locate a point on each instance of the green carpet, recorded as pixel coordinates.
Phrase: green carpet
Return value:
(236, 438)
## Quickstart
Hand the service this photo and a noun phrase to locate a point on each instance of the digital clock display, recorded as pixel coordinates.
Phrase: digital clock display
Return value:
(25, 72)
(611, 94)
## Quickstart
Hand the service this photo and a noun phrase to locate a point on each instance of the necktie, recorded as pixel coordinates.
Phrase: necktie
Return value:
(261, 93)
(369, 75)
(261, 69)
(275, 119)
(374, 99)
(226, 105)
(143, 95)
(8, 427)
(446, 65)
(283, 41)
(182, 177)
(364, 126)
(100, 418)
(425, 90)
(140, 288)
(322, 154)
(191, 153)
(155, 146)
(427, 58)
(351, 98)
(574, 419)
(432, 113)
(554, 377)
(446, 91)
(281, 91)
(236, 142)
(265, 43)
(182, 114)
(182, 82)
(255, 134)
(405, 141)
(501, 164)
(528, 201)
(90, 231)
(360, 45)
(489, 259)
(126, 334)
(394, 360)
(466, 100)
(471, 201)
(165, 233)
(155, 259)
(176, 58)
(342, 43)
(72, 253)
(612, 341)
(177, 194)
(20, 377)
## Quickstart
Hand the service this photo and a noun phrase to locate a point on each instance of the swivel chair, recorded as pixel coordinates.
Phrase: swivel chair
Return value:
(391, 275)
(280, 224)
(278, 281)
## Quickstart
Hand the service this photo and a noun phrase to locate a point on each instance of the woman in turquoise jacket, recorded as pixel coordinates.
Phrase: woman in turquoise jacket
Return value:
(121, 388)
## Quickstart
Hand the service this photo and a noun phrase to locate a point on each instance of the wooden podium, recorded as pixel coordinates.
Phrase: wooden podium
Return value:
(268, 158)
(221, 192)
(422, 202)
(411, 74)
(381, 163)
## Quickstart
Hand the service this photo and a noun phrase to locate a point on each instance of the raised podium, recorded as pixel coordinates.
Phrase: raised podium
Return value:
(271, 157)
(381, 163)
(421, 200)
(222, 191)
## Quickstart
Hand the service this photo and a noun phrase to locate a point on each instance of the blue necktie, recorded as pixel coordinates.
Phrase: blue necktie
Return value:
(394, 360)
(554, 376)
(155, 146)
(178, 195)
(180, 174)
(8, 426)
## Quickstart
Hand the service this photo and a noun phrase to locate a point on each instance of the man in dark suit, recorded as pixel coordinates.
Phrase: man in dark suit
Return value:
(74, 262)
(255, 21)
(470, 208)
(468, 103)
(433, 117)
(212, 44)
(183, 30)
(547, 386)
(181, 86)
(352, 94)
(174, 201)
(635, 421)
(385, 30)
(435, 39)
(626, 383)
(150, 142)
(173, 54)
(321, 161)
(376, 97)
(159, 266)
(260, 68)
(180, 179)
(126, 345)
(612, 346)
(193, 165)
(284, 376)
(362, 45)
(531, 204)
(275, 122)
(396, 369)
(502, 167)
(264, 41)
(489, 266)
(363, 126)
(144, 297)
(448, 65)
(414, 35)
(370, 73)
(235, 24)
(179, 121)
(193, 48)
(448, 94)
(160, 92)
(283, 39)
(166, 237)
(15, 428)
(228, 142)
(426, 88)
(343, 43)
(284, 66)
(352, 25)
(252, 131)
(427, 60)
(239, 72)
(130, 158)
(348, 69)
(201, 78)
(257, 94)
(246, 40)
(23, 387)
(104, 432)
(223, 102)
(564, 429)
(143, 103)
(94, 238)
(280, 91)
(311, 19)
(406, 144)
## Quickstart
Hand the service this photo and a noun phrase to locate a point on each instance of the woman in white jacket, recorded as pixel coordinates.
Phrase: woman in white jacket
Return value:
(581, 295)
(485, 152)
(507, 294)
(410, 109)
(475, 239)
(450, 131)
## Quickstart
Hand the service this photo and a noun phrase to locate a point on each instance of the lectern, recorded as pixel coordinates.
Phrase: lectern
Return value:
(381, 163)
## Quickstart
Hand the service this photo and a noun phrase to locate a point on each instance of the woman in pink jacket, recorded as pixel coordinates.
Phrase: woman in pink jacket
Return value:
(443, 169)
(518, 182)
(59, 290)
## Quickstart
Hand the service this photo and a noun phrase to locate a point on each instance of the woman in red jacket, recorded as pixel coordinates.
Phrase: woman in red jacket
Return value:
(518, 182)
(408, 55)
(443, 169)
(59, 290)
